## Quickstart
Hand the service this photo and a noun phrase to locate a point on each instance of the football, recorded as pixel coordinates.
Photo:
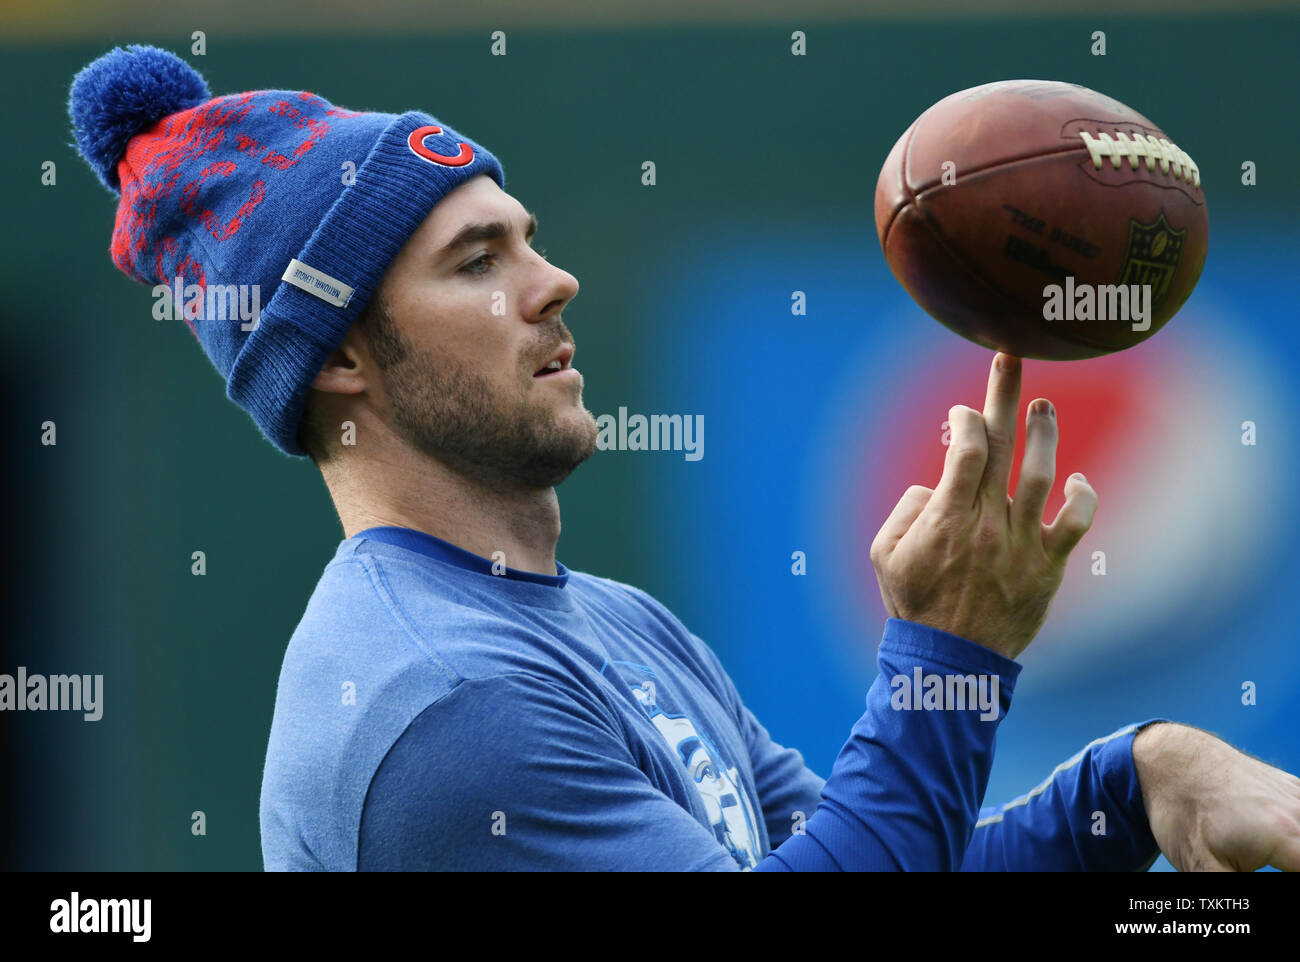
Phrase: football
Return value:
(1042, 219)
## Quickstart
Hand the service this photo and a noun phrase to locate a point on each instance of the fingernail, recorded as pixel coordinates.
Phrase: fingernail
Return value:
(1080, 476)
(1042, 406)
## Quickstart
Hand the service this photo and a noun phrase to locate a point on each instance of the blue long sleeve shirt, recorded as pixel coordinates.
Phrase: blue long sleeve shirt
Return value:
(434, 715)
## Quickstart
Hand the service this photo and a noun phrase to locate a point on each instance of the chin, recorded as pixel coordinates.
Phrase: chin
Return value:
(557, 443)
(580, 428)
(579, 419)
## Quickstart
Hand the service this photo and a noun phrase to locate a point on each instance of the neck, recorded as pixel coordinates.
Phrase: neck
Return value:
(407, 489)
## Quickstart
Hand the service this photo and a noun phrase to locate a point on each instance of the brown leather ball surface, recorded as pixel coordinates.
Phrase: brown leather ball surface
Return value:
(1002, 192)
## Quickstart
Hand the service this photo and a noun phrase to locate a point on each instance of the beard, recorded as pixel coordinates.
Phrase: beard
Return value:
(452, 414)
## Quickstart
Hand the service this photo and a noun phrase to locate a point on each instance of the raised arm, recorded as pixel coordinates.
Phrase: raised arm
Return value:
(967, 575)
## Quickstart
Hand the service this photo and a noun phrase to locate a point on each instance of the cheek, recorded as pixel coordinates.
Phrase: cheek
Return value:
(470, 337)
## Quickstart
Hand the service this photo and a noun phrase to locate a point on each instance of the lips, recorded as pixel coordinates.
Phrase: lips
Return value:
(559, 361)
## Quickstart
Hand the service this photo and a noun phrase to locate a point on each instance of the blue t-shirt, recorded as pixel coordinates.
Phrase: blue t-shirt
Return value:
(434, 714)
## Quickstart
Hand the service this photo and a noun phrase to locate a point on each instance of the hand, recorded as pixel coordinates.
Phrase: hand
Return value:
(1213, 808)
(966, 558)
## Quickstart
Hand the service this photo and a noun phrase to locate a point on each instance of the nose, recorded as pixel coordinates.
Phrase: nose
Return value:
(553, 291)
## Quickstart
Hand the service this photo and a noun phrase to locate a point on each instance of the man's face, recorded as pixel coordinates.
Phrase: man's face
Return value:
(470, 345)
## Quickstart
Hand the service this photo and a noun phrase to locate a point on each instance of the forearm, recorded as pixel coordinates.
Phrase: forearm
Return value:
(905, 789)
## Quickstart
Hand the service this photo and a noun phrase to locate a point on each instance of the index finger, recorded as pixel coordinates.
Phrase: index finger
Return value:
(963, 466)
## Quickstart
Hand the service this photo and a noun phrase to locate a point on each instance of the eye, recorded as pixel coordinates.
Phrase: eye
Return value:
(479, 265)
(473, 266)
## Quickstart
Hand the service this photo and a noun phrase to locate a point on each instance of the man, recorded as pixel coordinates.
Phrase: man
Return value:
(454, 697)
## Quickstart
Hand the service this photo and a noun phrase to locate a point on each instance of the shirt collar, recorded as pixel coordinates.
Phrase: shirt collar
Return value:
(440, 550)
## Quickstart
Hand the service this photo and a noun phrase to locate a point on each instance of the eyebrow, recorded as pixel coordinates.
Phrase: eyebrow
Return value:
(491, 230)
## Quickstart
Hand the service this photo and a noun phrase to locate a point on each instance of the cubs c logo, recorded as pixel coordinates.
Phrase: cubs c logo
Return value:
(416, 143)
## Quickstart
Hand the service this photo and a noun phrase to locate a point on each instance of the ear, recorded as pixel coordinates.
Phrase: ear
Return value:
(348, 369)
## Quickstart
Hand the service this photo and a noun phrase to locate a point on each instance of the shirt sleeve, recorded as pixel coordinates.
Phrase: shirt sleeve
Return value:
(788, 790)
(1087, 816)
(512, 773)
(906, 787)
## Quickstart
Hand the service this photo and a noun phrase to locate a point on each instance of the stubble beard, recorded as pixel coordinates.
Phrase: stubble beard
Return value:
(452, 414)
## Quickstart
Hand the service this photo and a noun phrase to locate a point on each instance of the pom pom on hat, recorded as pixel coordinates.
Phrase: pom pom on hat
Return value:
(124, 93)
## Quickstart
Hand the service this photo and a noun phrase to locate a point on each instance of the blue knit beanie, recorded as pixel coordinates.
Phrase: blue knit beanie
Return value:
(272, 197)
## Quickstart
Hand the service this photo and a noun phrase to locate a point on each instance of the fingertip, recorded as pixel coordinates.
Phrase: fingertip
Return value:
(1085, 496)
(961, 408)
(1082, 488)
(1079, 492)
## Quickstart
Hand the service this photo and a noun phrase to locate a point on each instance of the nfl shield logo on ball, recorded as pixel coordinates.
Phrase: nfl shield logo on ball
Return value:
(1154, 251)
